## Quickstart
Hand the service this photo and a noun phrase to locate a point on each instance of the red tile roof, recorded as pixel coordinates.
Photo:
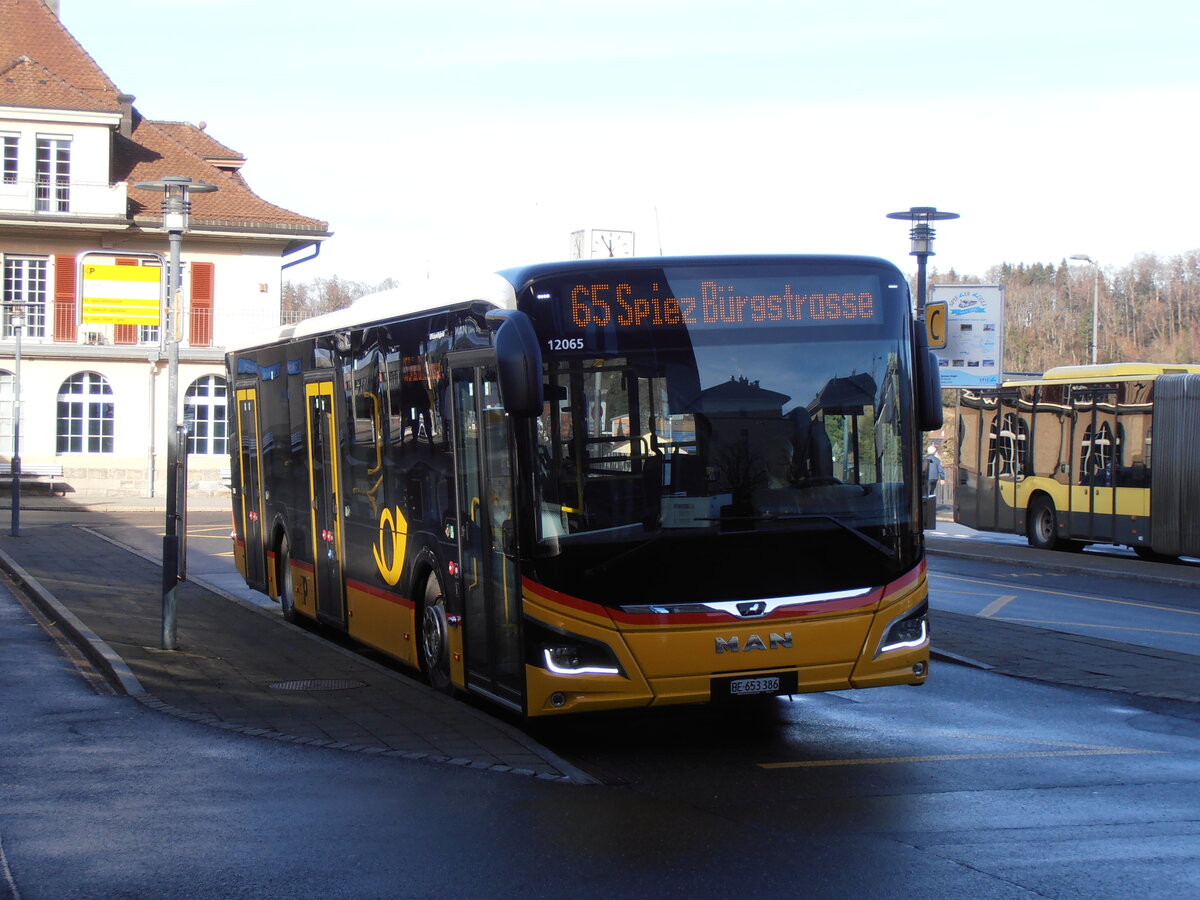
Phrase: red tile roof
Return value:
(153, 152)
(31, 29)
(26, 83)
(200, 142)
(43, 67)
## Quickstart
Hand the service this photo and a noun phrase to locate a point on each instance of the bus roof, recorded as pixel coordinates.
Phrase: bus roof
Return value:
(1108, 372)
(498, 289)
(521, 275)
(407, 299)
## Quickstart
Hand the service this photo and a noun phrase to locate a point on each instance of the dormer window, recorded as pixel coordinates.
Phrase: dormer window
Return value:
(53, 174)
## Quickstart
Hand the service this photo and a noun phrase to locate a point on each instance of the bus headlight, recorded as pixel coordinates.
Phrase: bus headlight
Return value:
(569, 654)
(908, 631)
(565, 660)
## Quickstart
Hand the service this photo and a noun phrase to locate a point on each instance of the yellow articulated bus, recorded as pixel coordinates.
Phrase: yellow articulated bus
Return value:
(1085, 454)
(603, 483)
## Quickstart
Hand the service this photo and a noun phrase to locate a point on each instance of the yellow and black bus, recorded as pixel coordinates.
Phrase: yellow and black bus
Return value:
(1083, 455)
(604, 483)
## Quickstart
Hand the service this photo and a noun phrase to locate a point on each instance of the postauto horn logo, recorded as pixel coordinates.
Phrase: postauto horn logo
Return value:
(389, 547)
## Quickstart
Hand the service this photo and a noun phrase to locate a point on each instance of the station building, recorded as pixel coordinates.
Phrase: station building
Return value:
(73, 148)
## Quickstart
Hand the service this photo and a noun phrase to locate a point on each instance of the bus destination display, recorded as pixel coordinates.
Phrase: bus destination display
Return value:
(726, 303)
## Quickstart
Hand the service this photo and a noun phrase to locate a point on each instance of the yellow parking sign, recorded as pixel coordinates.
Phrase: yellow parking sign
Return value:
(120, 295)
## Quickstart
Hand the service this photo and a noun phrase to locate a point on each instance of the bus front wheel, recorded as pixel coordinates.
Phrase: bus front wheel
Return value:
(435, 636)
(1042, 524)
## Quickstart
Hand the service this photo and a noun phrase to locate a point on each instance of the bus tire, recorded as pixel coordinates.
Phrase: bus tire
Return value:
(1041, 524)
(435, 636)
(287, 590)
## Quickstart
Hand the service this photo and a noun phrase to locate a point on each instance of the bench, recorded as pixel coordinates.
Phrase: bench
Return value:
(49, 473)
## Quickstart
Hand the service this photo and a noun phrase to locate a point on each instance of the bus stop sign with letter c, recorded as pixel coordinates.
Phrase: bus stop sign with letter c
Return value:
(935, 324)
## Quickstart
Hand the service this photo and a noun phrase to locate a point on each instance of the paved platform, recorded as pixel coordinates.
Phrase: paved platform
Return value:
(242, 668)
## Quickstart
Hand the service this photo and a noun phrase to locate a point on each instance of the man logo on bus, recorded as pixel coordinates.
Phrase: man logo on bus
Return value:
(393, 523)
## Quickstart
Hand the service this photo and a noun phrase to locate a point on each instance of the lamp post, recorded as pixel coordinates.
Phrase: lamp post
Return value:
(922, 243)
(16, 321)
(175, 209)
(1083, 257)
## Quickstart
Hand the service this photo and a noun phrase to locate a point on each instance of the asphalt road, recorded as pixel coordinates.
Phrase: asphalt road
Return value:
(975, 785)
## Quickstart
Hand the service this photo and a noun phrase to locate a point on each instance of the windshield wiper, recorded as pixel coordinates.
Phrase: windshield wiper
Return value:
(841, 523)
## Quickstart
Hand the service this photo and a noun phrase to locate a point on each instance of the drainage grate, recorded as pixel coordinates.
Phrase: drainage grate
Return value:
(317, 684)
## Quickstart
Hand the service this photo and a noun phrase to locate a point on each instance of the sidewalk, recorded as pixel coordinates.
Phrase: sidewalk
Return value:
(242, 668)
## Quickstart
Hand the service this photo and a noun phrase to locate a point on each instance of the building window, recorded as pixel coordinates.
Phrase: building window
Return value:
(53, 175)
(7, 391)
(25, 283)
(85, 414)
(10, 158)
(205, 415)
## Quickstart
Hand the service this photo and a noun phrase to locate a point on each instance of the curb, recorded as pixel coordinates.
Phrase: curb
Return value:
(122, 678)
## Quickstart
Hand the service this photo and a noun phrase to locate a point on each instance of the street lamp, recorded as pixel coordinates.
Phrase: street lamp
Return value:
(1083, 257)
(922, 243)
(175, 209)
(16, 321)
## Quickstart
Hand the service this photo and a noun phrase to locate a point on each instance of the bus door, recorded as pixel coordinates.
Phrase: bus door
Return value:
(1093, 493)
(250, 477)
(486, 531)
(325, 497)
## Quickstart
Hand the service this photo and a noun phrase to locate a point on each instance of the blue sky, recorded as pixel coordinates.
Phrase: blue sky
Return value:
(440, 135)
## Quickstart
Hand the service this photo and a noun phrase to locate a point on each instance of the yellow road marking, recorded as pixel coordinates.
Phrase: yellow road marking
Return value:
(996, 605)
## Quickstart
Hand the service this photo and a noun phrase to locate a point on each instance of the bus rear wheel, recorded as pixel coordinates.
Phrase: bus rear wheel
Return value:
(1042, 524)
(287, 590)
(435, 636)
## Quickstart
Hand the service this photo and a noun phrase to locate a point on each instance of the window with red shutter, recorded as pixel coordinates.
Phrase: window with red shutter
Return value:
(65, 321)
(200, 325)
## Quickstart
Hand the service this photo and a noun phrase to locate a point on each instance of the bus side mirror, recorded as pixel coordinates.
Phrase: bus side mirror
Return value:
(928, 382)
(518, 362)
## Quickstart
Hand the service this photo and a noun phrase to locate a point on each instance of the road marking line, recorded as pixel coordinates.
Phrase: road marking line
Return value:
(996, 605)
(953, 757)
(1034, 590)
(6, 874)
(1070, 749)
(1095, 625)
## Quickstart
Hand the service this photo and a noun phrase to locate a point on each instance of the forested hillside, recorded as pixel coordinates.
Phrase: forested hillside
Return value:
(1149, 311)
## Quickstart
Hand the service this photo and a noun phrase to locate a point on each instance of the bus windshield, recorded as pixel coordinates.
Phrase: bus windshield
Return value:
(698, 425)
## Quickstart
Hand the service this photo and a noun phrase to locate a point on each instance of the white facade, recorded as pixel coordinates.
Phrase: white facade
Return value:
(94, 396)
(90, 136)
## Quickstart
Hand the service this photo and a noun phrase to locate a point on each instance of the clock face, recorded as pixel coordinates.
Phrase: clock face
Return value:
(612, 243)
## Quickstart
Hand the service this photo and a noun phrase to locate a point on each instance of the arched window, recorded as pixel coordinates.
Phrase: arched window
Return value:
(1009, 440)
(85, 414)
(1097, 452)
(204, 413)
(6, 412)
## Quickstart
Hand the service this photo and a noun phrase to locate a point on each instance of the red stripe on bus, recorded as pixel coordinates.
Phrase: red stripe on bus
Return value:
(797, 610)
(381, 594)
